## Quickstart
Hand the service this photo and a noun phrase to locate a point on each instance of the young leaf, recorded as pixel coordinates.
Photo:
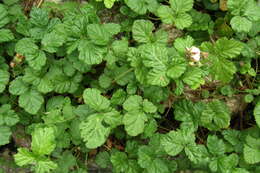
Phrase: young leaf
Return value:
(95, 100)
(8, 116)
(251, 150)
(5, 133)
(31, 101)
(24, 157)
(134, 122)
(4, 79)
(142, 31)
(43, 141)
(257, 114)
(215, 115)
(93, 132)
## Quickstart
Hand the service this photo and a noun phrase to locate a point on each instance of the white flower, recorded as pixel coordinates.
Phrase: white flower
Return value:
(194, 53)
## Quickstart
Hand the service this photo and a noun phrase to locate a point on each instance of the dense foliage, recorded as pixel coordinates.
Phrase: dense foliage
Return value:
(135, 86)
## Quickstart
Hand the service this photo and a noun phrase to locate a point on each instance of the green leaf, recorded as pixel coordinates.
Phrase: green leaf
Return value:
(134, 122)
(6, 35)
(133, 103)
(43, 141)
(175, 141)
(89, 53)
(95, 100)
(181, 44)
(188, 112)
(180, 6)
(194, 77)
(101, 34)
(8, 116)
(177, 68)
(18, 87)
(39, 17)
(35, 57)
(166, 14)
(215, 145)
(251, 150)
(109, 3)
(215, 116)
(121, 163)
(5, 133)
(241, 24)
(228, 48)
(52, 41)
(182, 20)
(4, 79)
(147, 159)
(142, 31)
(93, 132)
(156, 58)
(4, 19)
(149, 107)
(257, 114)
(138, 6)
(103, 159)
(222, 69)
(24, 157)
(252, 10)
(236, 6)
(44, 166)
(31, 101)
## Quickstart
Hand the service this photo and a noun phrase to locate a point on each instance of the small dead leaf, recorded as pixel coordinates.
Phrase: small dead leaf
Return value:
(223, 5)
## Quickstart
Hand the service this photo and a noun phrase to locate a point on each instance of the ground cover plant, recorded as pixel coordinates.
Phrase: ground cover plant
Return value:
(130, 86)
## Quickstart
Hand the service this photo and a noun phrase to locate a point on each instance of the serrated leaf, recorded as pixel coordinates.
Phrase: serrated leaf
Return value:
(43, 141)
(166, 14)
(251, 150)
(31, 101)
(215, 116)
(228, 48)
(257, 114)
(5, 133)
(181, 44)
(175, 141)
(134, 122)
(39, 17)
(142, 31)
(109, 3)
(24, 157)
(8, 116)
(45, 166)
(95, 100)
(215, 145)
(176, 69)
(182, 20)
(52, 41)
(93, 132)
(18, 87)
(99, 34)
(180, 6)
(138, 6)
(241, 24)
(147, 159)
(156, 58)
(6, 35)
(133, 103)
(89, 53)
(4, 19)
(149, 107)
(4, 79)
(222, 69)
(193, 77)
